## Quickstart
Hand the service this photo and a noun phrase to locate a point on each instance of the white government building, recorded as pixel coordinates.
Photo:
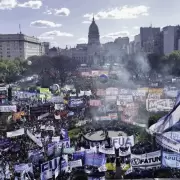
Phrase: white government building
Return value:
(21, 46)
(96, 53)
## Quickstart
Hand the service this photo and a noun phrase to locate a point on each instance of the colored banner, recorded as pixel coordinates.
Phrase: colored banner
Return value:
(171, 159)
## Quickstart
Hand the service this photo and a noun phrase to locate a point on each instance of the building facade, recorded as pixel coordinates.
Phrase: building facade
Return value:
(20, 46)
(148, 36)
(95, 53)
(171, 39)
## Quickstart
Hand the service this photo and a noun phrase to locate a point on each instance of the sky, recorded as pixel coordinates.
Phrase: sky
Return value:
(66, 22)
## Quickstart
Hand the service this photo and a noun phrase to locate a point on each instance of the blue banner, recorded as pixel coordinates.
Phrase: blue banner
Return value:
(51, 148)
(94, 159)
(35, 155)
(23, 167)
(78, 155)
(171, 159)
(96, 178)
(5, 143)
(52, 165)
(76, 103)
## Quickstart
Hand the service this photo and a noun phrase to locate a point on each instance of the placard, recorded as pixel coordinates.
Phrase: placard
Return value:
(12, 108)
(123, 141)
(148, 160)
(155, 105)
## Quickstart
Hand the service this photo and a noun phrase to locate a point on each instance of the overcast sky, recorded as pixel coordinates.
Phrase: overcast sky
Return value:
(66, 22)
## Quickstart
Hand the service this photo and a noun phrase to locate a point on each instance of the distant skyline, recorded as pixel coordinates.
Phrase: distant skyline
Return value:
(66, 22)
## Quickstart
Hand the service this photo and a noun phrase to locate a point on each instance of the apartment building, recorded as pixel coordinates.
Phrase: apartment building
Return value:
(20, 46)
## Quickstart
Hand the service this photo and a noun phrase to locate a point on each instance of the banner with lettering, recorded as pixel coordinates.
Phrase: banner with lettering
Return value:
(154, 96)
(110, 98)
(76, 103)
(146, 161)
(171, 159)
(94, 102)
(19, 168)
(78, 155)
(123, 141)
(94, 159)
(156, 90)
(96, 178)
(156, 105)
(111, 91)
(168, 143)
(10, 108)
(126, 98)
(48, 168)
(125, 92)
(35, 155)
(70, 150)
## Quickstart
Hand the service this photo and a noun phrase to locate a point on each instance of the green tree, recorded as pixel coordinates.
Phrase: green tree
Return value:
(52, 68)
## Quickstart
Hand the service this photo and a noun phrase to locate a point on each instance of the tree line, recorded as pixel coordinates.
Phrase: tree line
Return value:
(59, 67)
(48, 67)
(153, 63)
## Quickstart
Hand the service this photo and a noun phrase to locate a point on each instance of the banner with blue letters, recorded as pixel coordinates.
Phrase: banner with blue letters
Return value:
(171, 159)
(122, 141)
(48, 168)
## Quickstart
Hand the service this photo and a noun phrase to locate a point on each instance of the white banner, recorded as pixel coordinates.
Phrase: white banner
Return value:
(138, 93)
(33, 138)
(12, 108)
(3, 88)
(125, 91)
(123, 141)
(111, 98)
(148, 160)
(155, 105)
(111, 91)
(104, 150)
(56, 139)
(170, 159)
(43, 116)
(74, 164)
(102, 118)
(154, 96)
(173, 135)
(125, 152)
(18, 132)
(127, 98)
(168, 143)
(59, 106)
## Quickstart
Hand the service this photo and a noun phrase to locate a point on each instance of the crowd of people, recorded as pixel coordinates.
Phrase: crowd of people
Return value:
(36, 144)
